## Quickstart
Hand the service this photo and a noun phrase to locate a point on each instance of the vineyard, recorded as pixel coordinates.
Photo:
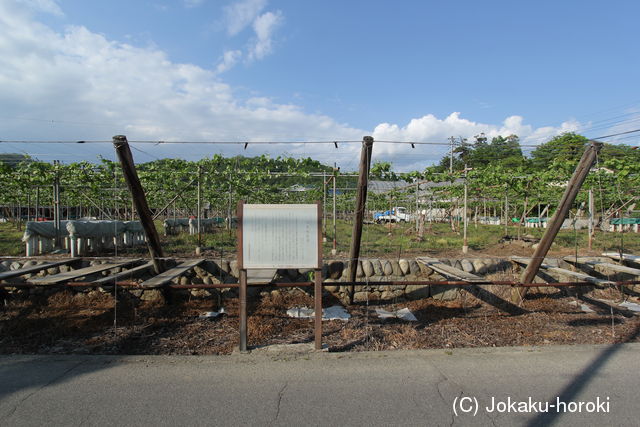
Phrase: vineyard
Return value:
(499, 180)
(469, 228)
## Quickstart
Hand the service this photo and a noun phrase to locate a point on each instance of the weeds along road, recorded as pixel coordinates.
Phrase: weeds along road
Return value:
(376, 388)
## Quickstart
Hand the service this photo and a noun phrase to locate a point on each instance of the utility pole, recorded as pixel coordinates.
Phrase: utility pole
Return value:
(361, 199)
(417, 213)
(56, 201)
(229, 206)
(137, 193)
(335, 175)
(465, 246)
(591, 211)
(569, 196)
(199, 208)
(37, 202)
(506, 210)
(452, 141)
(324, 204)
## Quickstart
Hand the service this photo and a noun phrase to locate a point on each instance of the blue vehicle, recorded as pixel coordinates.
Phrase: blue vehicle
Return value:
(396, 214)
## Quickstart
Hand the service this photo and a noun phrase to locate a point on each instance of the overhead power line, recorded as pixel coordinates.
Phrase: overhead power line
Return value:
(616, 134)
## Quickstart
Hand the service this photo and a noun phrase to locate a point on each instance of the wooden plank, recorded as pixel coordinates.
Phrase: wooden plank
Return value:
(167, 276)
(449, 271)
(625, 257)
(581, 276)
(124, 274)
(75, 274)
(33, 269)
(615, 267)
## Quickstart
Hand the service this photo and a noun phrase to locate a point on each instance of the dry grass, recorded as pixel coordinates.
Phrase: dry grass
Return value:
(84, 323)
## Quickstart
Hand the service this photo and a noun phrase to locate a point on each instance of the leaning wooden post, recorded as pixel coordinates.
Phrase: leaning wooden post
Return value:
(554, 225)
(361, 199)
(140, 200)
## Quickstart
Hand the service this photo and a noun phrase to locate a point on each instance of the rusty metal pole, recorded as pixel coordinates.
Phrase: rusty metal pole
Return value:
(569, 196)
(242, 279)
(140, 200)
(361, 199)
(317, 288)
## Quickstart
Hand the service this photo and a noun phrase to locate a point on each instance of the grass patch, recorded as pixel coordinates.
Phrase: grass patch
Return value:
(10, 239)
(378, 240)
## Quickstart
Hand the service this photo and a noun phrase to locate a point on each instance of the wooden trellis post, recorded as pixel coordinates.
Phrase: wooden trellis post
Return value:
(361, 199)
(569, 196)
(140, 200)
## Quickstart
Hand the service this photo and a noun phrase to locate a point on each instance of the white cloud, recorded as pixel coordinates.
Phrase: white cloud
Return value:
(545, 133)
(264, 26)
(245, 13)
(46, 6)
(229, 59)
(79, 85)
(241, 14)
(431, 129)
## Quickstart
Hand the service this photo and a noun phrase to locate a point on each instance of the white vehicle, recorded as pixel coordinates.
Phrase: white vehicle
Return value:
(396, 214)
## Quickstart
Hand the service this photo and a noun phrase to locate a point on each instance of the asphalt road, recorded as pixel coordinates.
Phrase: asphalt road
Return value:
(377, 388)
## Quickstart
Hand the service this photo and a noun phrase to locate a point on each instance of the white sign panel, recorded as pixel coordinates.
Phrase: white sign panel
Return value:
(280, 236)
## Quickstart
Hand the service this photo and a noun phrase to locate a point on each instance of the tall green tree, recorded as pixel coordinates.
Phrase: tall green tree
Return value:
(562, 149)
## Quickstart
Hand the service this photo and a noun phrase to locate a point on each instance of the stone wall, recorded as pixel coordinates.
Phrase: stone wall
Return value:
(384, 270)
(335, 272)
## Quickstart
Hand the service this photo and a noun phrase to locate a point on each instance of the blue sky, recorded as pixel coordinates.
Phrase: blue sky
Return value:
(198, 70)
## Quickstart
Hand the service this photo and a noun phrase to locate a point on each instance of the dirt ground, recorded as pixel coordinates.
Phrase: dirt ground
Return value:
(91, 323)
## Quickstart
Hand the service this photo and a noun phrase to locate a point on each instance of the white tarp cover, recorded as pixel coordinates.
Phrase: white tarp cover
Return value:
(182, 222)
(43, 229)
(81, 229)
(335, 312)
(94, 229)
(203, 221)
(403, 314)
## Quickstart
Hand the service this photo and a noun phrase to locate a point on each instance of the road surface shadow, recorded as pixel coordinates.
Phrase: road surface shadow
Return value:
(581, 380)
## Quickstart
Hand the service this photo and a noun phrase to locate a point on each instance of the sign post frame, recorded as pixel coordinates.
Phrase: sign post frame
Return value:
(243, 280)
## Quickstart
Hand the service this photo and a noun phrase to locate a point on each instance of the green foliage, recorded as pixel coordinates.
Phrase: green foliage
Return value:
(382, 171)
(565, 149)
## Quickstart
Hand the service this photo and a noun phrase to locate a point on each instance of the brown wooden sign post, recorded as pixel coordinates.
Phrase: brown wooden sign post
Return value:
(278, 237)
